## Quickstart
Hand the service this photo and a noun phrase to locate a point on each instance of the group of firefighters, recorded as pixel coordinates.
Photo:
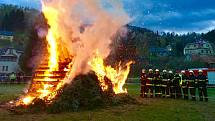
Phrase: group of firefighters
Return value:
(178, 85)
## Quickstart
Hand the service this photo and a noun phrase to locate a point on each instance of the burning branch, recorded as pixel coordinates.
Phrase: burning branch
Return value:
(117, 76)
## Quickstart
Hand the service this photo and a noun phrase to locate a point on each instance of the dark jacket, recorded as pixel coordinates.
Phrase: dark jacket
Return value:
(192, 80)
(202, 80)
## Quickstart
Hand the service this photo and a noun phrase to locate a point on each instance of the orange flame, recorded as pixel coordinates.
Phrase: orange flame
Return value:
(47, 91)
(116, 76)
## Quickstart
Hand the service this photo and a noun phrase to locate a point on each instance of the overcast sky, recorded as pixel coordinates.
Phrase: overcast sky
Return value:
(180, 16)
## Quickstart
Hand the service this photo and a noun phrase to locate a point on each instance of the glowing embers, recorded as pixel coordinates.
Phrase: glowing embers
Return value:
(27, 100)
(45, 86)
(117, 76)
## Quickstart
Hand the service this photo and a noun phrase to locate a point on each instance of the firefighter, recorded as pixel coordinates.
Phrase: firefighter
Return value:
(202, 82)
(171, 77)
(176, 86)
(143, 83)
(192, 85)
(165, 80)
(157, 83)
(184, 84)
(150, 82)
(168, 89)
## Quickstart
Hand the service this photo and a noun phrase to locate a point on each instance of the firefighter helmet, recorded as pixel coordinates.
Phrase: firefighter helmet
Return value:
(200, 71)
(150, 70)
(170, 72)
(182, 71)
(191, 71)
(164, 71)
(157, 70)
(143, 71)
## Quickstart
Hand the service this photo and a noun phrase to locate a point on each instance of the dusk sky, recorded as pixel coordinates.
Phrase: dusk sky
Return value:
(180, 16)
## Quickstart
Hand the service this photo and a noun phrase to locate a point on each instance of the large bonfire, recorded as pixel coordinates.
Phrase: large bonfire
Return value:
(57, 68)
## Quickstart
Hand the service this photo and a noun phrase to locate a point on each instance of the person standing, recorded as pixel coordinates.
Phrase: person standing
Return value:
(143, 79)
(165, 80)
(157, 82)
(169, 82)
(172, 87)
(12, 77)
(202, 82)
(192, 85)
(184, 84)
(150, 82)
(176, 86)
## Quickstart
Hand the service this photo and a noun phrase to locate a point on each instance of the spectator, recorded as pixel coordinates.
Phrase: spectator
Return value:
(12, 77)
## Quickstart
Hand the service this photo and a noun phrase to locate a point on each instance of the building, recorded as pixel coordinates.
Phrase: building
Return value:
(161, 51)
(200, 47)
(6, 35)
(9, 60)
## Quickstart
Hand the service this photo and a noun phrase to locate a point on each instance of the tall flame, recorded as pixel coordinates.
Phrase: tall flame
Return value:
(116, 76)
(47, 91)
(52, 16)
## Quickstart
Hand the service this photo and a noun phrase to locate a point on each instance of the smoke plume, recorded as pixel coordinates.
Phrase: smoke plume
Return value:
(86, 26)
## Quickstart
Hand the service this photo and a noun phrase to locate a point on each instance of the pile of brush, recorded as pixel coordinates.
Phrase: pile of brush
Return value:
(83, 93)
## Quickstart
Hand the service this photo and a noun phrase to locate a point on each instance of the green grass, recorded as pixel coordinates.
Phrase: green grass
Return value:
(148, 110)
(10, 91)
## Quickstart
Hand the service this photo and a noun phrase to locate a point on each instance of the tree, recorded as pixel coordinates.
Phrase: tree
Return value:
(14, 20)
(210, 36)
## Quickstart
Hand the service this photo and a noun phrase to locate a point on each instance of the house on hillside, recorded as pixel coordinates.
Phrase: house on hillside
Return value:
(200, 47)
(6, 35)
(9, 60)
(161, 51)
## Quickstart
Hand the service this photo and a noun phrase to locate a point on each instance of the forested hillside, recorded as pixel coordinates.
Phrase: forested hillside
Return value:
(18, 20)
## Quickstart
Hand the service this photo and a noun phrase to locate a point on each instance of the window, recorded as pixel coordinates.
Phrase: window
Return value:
(11, 51)
(6, 68)
(2, 68)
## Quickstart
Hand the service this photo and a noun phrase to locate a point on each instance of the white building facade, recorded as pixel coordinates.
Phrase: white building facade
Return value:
(9, 60)
(199, 48)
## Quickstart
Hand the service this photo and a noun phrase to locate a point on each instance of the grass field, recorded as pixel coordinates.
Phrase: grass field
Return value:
(148, 110)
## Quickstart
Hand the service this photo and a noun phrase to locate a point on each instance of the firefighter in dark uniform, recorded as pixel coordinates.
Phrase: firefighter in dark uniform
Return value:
(165, 80)
(168, 88)
(157, 83)
(177, 86)
(171, 77)
(150, 82)
(143, 79)
(184, 84)
(202, 82)
(192, 85)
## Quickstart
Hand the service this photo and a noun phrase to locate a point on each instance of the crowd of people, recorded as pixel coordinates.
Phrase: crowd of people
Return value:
(174, 85)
